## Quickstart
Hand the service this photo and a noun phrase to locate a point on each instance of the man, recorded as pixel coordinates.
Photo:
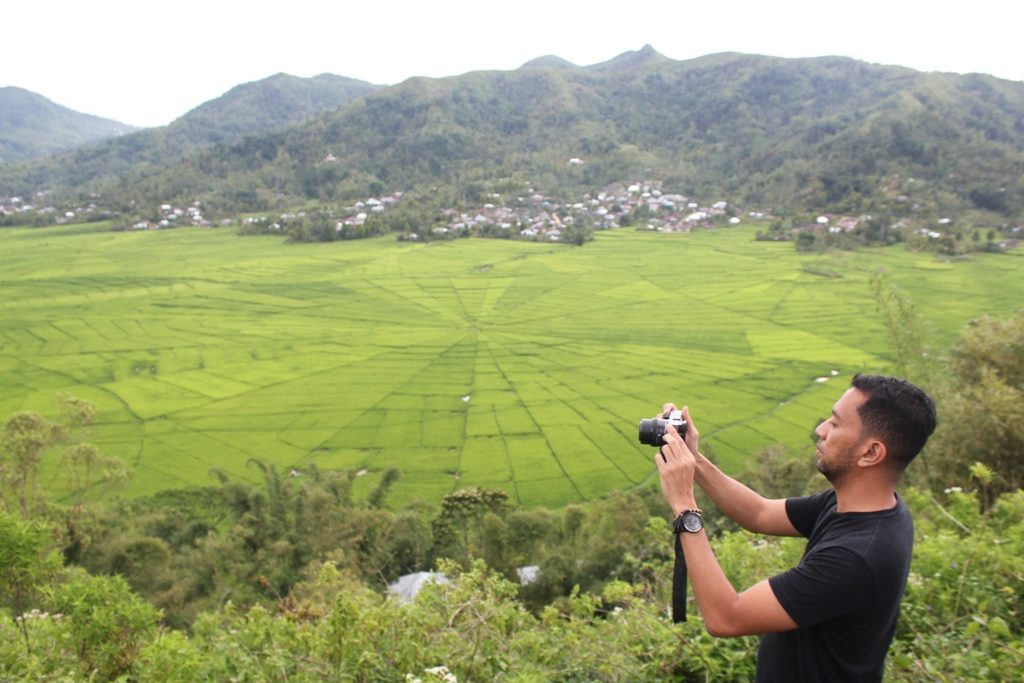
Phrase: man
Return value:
(832, 617)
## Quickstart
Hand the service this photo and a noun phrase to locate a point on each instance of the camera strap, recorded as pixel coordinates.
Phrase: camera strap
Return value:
(679, 584)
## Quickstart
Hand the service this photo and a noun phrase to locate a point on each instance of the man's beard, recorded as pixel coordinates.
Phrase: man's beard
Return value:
(837, 468)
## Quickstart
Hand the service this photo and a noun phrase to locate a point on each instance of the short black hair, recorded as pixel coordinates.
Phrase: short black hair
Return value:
(899, 413)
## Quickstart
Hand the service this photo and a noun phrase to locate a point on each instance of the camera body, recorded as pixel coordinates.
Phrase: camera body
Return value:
(652, 431)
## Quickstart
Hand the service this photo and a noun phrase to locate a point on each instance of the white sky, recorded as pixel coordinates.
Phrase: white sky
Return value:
(146, 62)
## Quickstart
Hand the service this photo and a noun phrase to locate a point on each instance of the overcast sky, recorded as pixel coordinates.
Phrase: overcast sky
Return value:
(147, 62)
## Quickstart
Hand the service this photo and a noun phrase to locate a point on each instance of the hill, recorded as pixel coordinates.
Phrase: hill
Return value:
(32, 126)
(821, 134)
(276, 102)
(270, 104)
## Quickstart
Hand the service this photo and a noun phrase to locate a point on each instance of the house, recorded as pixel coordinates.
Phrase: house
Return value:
(407, 587)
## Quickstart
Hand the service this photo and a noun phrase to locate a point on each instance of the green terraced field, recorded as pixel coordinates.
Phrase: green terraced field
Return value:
(511, 365)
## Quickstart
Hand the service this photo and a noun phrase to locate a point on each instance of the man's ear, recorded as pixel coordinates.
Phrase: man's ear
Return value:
(874, 453)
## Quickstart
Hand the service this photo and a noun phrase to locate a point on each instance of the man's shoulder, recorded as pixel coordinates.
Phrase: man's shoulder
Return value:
(805, 512)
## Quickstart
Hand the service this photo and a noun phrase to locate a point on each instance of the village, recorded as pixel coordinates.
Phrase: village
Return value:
(532, 215)
(540, 217)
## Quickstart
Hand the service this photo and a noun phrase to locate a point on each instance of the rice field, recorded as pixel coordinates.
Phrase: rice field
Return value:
(510, 365)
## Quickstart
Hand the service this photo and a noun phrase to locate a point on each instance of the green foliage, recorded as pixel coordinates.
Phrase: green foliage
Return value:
(961, 617)
(982, 434)
(262, 106)
(467, 522)
(32, 126)
(107, 625)
(28, 436)
(906, 330)
(28, 561)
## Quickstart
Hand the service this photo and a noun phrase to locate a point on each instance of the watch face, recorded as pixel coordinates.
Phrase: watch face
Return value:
(693, 522)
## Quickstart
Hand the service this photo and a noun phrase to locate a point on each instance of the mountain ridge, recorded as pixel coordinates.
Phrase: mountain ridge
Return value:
(823, 133)
(272, 103)
(32, 126)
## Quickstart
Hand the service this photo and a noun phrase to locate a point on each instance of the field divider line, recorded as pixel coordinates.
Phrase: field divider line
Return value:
(466, 315)
(206, 435)
(782, 299)
(441, 310)
(502, 435)
(474, 343)
(814, 331)
(604, 455)
(508, 456)
(537, 426)
(535, 301)
(290, 380)
(72, 380)
(377, 404)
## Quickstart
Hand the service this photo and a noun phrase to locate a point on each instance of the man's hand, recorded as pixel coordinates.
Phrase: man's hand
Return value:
(676, 466)
(692, 435)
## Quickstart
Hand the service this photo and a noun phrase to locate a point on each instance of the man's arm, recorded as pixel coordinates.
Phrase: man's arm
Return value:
(738, 502)
(725, 612)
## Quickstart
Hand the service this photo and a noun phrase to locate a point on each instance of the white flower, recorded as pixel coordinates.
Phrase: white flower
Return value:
(440, 673)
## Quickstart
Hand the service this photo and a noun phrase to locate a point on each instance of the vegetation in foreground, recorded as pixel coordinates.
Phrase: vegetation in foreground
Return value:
(284, 581)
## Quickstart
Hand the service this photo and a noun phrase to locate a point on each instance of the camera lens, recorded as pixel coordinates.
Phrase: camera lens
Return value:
(652, 431)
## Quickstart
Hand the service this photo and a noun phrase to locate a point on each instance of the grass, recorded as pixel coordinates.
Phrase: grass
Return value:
(511, 365)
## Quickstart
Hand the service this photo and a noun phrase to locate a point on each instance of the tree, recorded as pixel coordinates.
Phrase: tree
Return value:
(906, 332)
(459, 530)
(982, 412)
(27, 561)
(806, 241)
(109, 623)
(26, 436)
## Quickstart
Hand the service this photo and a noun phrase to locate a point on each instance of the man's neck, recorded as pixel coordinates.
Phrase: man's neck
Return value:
(864, 496)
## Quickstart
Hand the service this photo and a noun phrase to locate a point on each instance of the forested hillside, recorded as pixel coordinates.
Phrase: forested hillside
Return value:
(270, 104)
(32, 126)
(821, 134)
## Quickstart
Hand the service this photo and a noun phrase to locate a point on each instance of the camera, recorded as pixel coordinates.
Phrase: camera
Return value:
(652, 431)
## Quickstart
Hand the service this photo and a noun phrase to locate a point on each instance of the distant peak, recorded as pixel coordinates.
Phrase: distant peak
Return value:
(630, 60)
(549, 62)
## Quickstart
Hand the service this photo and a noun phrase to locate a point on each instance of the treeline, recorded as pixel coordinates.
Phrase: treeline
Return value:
(284, 579)
(960, 618)
(952, 238)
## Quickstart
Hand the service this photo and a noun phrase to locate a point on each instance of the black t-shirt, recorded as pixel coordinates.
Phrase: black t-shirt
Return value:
(844, 594)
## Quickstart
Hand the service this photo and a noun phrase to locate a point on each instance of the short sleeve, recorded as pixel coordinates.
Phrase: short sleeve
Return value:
(804, 511)
(828, 583)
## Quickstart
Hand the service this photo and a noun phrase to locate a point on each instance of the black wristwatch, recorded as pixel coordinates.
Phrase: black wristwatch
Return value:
(690, 521)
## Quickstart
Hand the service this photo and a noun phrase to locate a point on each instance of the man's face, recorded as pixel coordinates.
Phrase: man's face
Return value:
(839, 437)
